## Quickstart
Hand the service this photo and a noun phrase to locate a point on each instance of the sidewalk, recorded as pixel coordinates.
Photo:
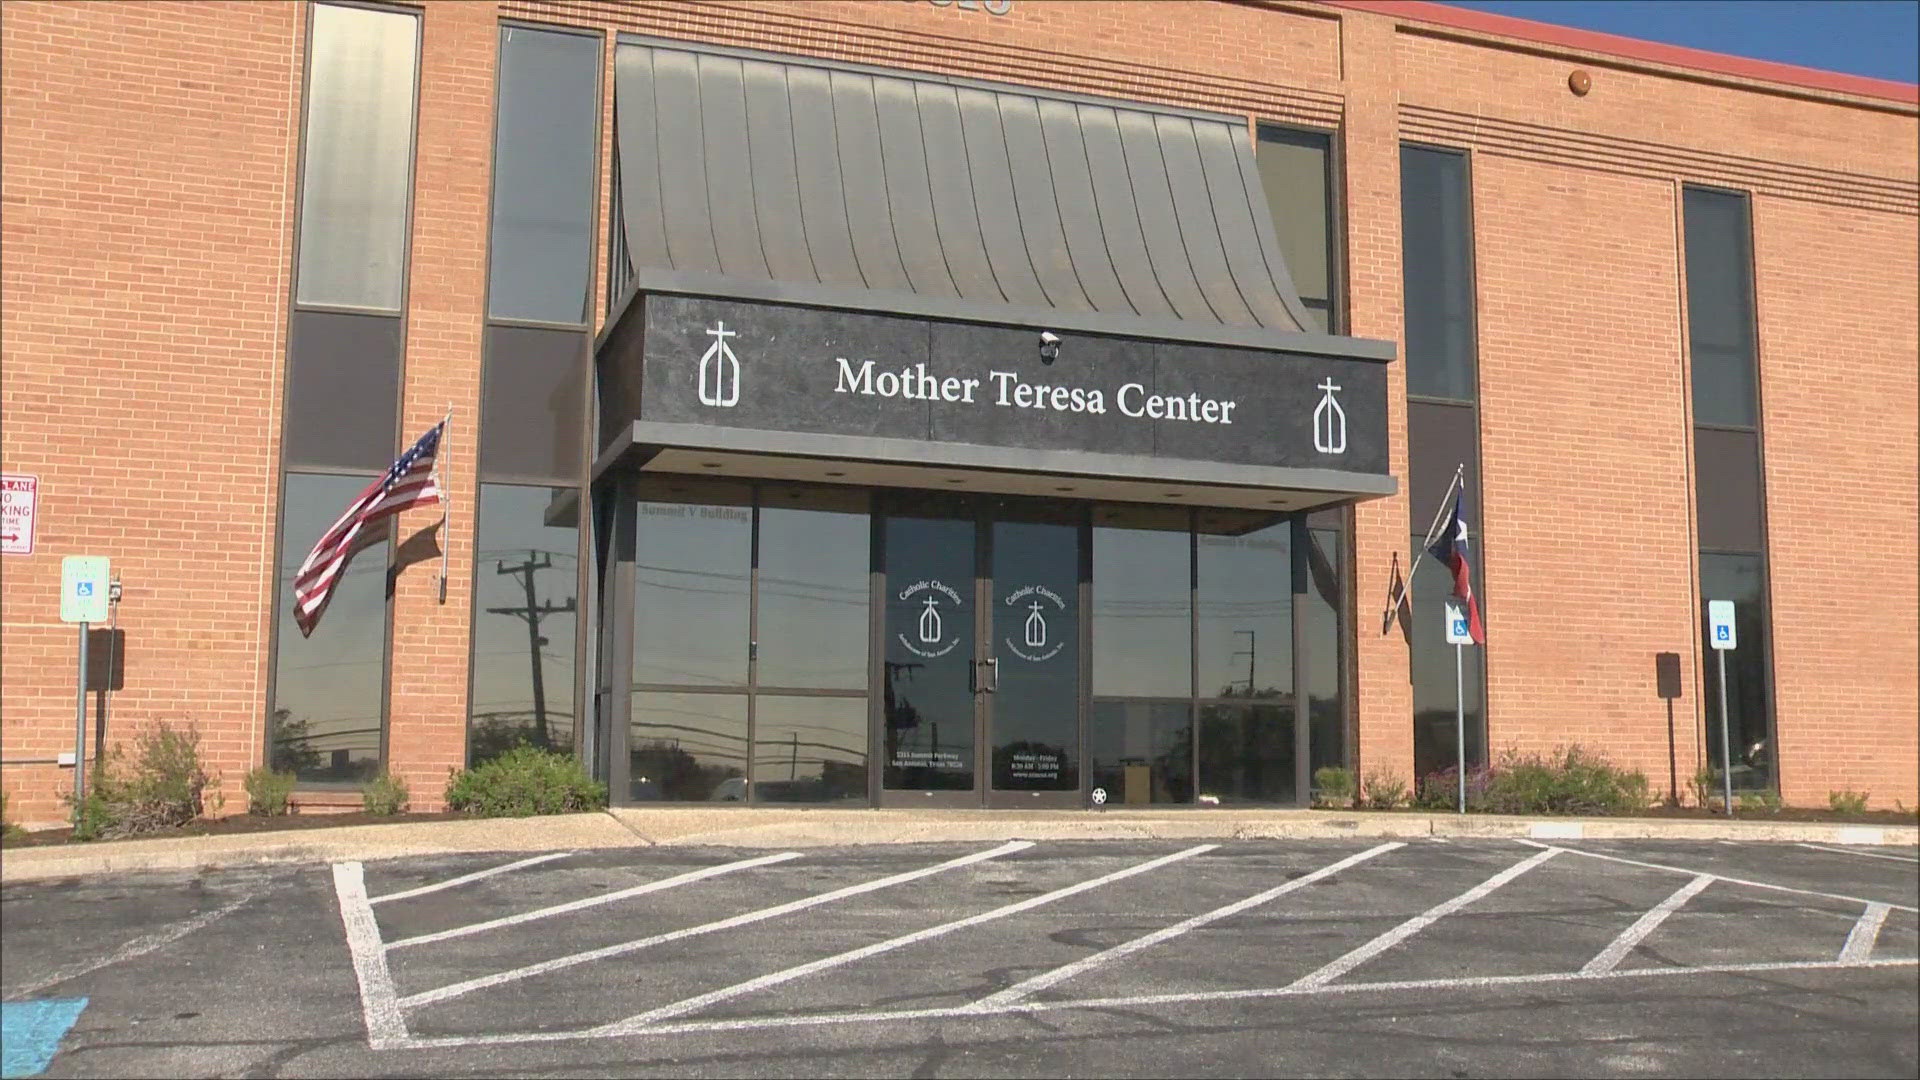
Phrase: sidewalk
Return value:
(765, 828)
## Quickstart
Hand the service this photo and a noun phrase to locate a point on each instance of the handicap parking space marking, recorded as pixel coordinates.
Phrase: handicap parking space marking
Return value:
(1719, 877)
(1910, 860)
(30, 1033)
(465, 879)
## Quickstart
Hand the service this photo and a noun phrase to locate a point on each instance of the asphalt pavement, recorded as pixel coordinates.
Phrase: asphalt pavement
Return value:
(1362, 957)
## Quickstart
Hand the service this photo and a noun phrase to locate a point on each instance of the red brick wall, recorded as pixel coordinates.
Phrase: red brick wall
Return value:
(147, 169)
(148, 178)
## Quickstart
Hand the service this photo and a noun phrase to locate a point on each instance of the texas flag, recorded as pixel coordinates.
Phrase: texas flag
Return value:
(1451, 550)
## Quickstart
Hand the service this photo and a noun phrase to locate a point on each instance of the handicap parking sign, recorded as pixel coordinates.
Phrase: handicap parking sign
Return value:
(1720, 619)
(1457, 633)
(83, 589)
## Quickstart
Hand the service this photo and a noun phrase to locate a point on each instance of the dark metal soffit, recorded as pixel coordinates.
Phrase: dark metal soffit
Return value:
(865, 189)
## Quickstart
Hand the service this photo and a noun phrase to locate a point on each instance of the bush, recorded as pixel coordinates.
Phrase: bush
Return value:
(1332, 787)
(1759, 802)
(165, 787)
(1572, 781)
(1441, 790)
(525, 781)
(1847, 801)
(8, 830)
(1706, 787)
(268, 791)
(384, 795)
(1383, 791)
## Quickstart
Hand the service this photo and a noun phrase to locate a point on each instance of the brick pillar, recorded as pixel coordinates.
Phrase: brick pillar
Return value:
(1383, 698)
(427, 703)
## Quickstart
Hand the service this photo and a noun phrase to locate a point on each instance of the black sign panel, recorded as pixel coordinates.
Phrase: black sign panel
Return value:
(785, 368)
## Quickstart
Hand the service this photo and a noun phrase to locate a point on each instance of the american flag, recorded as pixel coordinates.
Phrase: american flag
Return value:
(411, 482)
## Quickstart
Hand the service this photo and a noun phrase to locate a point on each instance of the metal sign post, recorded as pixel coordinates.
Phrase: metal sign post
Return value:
(84, 592)
(1459, 637)
(1724, 639)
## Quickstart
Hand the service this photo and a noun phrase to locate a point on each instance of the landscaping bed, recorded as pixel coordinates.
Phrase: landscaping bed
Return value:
(233, 825)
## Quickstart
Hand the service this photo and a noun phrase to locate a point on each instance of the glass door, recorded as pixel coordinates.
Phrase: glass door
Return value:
(1033, 713)
(931, 675)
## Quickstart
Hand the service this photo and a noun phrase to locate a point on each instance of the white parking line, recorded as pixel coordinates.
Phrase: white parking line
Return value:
(687, 878)
(1020, 991)
(1722, 877)
(465, 878)
(1864, 854)
(967, 1012)
(1619, 947)
(1865, 932)
(386, 1027)
(1419, 922)
(457, 989)
(138, 947)
(641, 1021)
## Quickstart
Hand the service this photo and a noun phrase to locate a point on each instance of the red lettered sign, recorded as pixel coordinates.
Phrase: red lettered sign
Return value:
(18, 495)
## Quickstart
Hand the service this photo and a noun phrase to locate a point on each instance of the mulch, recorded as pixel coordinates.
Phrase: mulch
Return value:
(236, 824)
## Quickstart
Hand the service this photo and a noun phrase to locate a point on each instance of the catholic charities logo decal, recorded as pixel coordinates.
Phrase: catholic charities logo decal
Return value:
(720, 370)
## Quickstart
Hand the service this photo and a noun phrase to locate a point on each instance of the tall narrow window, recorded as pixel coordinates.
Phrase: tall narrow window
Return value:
(1443, 434)
(1296, 171)
(540, 265)
(327, 714)
(1729, 489)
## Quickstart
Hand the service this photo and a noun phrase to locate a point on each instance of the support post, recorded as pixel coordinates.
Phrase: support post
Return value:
(1726, 743)
(1460, 722)
(80, 733)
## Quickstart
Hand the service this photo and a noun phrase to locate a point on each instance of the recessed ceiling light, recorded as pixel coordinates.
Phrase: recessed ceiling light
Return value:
(832, 473)
(1067, 487)
(1172, 495)
(955, 480)
(709, 464)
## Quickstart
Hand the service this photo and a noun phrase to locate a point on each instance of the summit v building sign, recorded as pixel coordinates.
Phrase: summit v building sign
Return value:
(796, 369)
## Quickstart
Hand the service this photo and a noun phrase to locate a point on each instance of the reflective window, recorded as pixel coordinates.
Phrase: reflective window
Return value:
(687, 747)
(1434, 700)
(1326, 640)
(546, 147)
(1244, 599)
(1437, 271)
(343, 391)
(1141, 751)
(814, 566)
(358, 157)
(1142, 603)
(809, 749)
(328, 717)
(531, 424)
(524, 610)
(1739, 578)
(1720, 316)
(1295, 172)
(691, 587)
(1246, 751)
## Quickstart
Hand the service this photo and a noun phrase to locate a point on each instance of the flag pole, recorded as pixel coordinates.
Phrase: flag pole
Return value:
(1406, 584)
(445, 502)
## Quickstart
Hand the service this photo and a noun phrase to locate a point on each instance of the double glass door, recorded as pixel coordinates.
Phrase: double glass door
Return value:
(982, 653)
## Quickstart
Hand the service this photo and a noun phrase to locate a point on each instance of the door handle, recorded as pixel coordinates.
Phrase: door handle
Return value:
(993, 670)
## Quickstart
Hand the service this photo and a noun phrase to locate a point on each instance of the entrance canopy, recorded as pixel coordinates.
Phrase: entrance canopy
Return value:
(861, 277)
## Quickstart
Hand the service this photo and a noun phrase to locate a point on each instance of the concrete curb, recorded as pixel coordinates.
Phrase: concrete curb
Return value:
(774, 828)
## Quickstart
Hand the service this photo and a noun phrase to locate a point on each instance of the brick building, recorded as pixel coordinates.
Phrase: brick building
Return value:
(772, 335)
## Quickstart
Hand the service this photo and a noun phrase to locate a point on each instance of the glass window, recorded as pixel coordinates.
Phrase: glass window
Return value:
(1141, 752)
(1142, 603)
(343, 391)
(814, 565)
(1434, 702)
(328, 717)
(358, 157)
(687, 747)
(531, 427)
(1741, 579)
(809, 749)
(1246, 751)
(691, 585)
(545, 150)
(1720, 332)
(524, 607)
(1245, 602)
(1294, 170)
(1326, 642)
(1437, 273)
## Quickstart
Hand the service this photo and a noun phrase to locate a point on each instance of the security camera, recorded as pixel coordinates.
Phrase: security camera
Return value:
(1049, 346)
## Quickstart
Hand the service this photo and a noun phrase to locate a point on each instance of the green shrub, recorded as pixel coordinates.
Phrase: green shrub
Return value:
(1332, 787)
(268, 791)
(8, 830)
(1383, 791)
(1570, 781)
(164, 787)
(525, 781)
(1847, 801)
(1441, 790)
(384, 795)
(1759, 802)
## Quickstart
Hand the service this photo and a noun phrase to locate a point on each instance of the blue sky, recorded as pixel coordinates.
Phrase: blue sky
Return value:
(1879, 38)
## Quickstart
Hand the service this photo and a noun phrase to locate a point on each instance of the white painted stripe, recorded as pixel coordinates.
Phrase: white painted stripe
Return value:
(1864, 854)
(1865, 932)
(1557, 830)
(1419, 922)
(1722, 877)
(1618, 949)
(1860, 834)
(138, 947)
(687, 878)
(386, 1027)
(967, 1012)
(1022, 990)
(457, 989)
(467, 878)
(641, 1021)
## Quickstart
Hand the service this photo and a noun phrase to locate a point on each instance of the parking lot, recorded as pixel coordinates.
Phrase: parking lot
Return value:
(1424, 958)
